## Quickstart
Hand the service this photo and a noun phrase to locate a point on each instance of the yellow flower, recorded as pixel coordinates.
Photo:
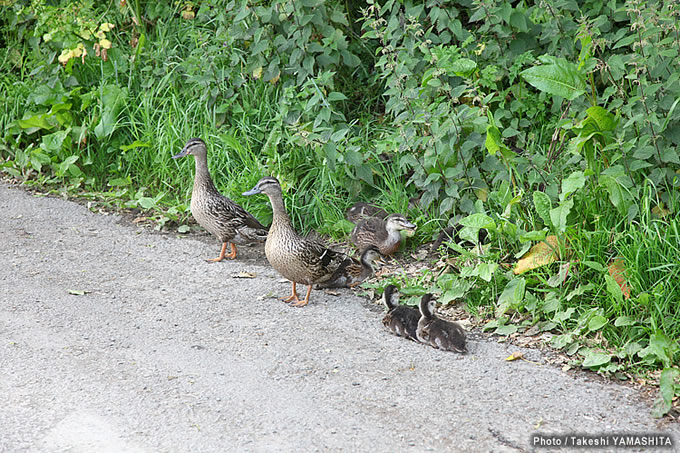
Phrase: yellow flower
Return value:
(65, 56)
(105, 44)
(106, 26)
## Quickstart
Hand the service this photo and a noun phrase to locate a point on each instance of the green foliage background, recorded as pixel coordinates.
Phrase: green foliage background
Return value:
(523, 119)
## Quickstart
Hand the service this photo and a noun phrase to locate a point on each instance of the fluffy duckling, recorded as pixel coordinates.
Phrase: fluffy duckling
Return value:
(352, 272)
(439, 334)
(298, 259)
(400, 319)
(383, 234)
(361, 210)
(221, 216)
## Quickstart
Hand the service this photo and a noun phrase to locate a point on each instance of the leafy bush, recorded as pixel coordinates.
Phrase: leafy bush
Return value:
(550, 123)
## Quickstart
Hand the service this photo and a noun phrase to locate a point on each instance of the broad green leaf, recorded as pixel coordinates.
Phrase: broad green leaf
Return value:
(533, 236)
(512, 295)
(542, 204)
(146, 202)
(613, 288)
(572, 183)
(580, 290)
(461, 67)
(594, 265)
(667, 384)
(52, 143)
(35, 123)
(623, 321)
(558, 215)
(561, 80)
(505, 330)
(596, 359)
(183, 229)
(493, 142)
(605, 121)
(596, 323)
(478, 221)
(486, 270)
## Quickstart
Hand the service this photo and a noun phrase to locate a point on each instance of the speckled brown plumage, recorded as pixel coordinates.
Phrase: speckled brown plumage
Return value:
(383, 234)
(438, 333)
(352, 271)
(362, 210)
(298, 259)
(219, 215)
(399, 319)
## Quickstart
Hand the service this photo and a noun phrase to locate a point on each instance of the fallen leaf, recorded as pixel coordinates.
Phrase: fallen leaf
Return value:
(617, 270)
(515, 356)
(540, 254)
(77, 292)
(244, 275)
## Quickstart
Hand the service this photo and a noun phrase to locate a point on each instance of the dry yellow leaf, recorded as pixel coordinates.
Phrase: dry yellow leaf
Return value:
(244, 275)
(515, 355)
(540, 254)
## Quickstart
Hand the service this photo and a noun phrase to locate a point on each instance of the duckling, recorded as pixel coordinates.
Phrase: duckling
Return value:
(221, 216)
(298, 259)
(352, 272)
(384, 234)
(436, 332)
(400, 319)
(361, 210)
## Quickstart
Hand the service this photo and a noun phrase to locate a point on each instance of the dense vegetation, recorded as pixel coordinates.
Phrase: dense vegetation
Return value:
(545, 124)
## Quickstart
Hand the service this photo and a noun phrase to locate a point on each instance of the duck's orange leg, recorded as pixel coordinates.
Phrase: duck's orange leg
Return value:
(293, 297)
(232, 255)
(222, 256)
(302, 303)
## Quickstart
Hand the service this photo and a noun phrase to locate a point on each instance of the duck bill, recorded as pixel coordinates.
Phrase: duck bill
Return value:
(182, 153)
(411, 230)
(253, 191)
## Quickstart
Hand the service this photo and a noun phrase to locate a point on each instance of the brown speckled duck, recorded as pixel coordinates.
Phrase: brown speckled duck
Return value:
(222, 217)
(439, 334)
(352, 272)
(298, 259)
(362, 210)
(400, 319)
(383, 234)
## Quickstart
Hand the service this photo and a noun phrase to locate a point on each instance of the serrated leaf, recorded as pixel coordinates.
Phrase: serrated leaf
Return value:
(557, 79)
(540, 254)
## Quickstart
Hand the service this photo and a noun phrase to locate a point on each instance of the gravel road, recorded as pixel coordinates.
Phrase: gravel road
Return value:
(116, 339)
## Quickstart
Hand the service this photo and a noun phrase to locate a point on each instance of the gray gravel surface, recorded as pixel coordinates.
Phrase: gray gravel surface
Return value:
(165, 352)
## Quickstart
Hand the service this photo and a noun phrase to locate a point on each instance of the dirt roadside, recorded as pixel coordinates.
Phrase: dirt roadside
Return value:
(117, 340)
